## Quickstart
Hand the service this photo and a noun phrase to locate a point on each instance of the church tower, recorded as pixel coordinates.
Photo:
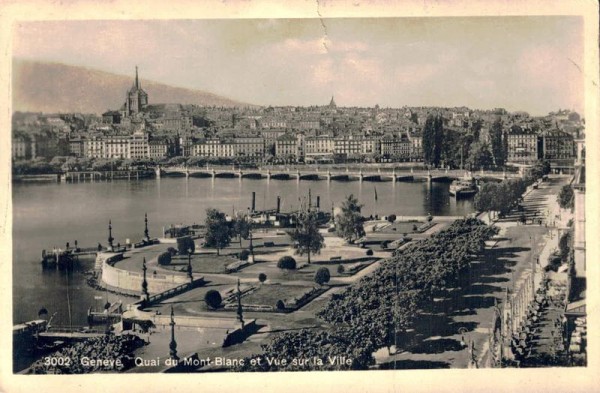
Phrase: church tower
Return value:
(332, 103)
(137, 98)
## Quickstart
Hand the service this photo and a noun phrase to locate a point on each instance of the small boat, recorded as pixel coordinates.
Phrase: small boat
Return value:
(463, 187)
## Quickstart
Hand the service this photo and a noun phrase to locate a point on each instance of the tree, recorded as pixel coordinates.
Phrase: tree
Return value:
(213, 299)
(479, 156)
(433, 139)
(566, 197)
(185, 245)
(322, 276)
(341, 269)
(218, 233)
(244, 255)
(240, 228)
(164, 258)
(280, 305)
(262, 277)
(496, 140)
(391, 218)
(306, 236)
(286, 262)
(476, 129)
(349, 223)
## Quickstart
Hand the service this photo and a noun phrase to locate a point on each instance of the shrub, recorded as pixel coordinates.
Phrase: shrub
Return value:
(286, 262)
(322, 276)
(184, 244)
(415, 227)
(244, 255)
(164, 258)
(369, 252)
(172, 251)
(391, 218)
(280, 305)
(341, 269)
(262, 277)
(385, 244)
(213, 299)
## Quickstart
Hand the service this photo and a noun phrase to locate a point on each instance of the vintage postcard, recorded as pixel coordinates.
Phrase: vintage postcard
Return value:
(368, 192)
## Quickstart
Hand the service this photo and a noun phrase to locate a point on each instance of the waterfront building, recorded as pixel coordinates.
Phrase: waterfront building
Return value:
(250, 146)
(214, 147)
(76, 146)
(347, 145)
(300, 145)
(557, 145)
(416, 144)
(395, 147)
(21, 147)
(93, 146)
(370, 145)
(158, 148)
(286, 146)
(186, 146)
(116, 146)
(316, 147)
(523, 146)
(138, 145)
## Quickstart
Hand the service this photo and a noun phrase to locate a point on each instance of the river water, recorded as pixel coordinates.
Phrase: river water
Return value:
(50, 214)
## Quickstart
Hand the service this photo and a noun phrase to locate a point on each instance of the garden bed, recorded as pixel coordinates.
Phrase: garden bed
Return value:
(266, 296)
(205, 263)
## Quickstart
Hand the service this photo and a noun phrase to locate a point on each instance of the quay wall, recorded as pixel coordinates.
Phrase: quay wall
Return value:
(132, 281)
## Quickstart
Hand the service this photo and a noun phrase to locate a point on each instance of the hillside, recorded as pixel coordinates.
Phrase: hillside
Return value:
(53, 87)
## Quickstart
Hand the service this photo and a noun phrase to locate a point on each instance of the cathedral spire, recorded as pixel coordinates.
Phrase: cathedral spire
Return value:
(137, 82)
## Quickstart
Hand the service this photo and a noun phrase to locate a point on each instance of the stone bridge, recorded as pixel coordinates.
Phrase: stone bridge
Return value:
(311, 173)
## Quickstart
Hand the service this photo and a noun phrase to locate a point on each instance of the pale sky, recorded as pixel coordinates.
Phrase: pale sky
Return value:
(519, 63)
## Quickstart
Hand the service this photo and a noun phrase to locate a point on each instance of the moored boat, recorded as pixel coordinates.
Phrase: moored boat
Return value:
(463, 187)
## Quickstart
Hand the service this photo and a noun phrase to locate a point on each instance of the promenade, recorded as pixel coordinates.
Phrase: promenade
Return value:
(468, 316)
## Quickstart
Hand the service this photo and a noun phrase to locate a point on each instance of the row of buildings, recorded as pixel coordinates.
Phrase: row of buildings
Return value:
(139, 129)
(523, 146)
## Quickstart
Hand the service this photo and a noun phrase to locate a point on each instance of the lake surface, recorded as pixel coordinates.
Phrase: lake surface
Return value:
(50, 214)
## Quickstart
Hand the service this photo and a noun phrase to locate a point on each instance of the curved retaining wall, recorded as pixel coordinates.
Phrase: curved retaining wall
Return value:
(132, 281)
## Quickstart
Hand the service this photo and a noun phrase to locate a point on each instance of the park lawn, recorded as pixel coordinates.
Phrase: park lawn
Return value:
(204, 263)
(400, 227)
(268, 294)
(307, 273)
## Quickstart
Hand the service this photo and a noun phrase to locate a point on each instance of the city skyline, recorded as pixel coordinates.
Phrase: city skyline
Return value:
(485, 62)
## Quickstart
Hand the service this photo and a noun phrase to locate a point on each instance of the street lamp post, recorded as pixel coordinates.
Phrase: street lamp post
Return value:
(189, 267)
(250, 246)
(173, 343)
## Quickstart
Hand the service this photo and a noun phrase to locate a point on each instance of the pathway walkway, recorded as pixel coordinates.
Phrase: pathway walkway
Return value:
(437, 341)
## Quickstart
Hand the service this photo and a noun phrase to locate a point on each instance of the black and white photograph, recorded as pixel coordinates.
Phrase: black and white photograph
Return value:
(323, 194)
